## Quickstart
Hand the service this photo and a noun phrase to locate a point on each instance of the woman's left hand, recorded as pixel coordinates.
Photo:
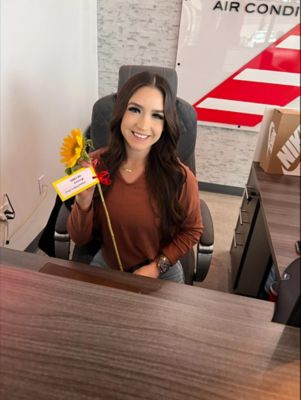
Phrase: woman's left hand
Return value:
(150, 270)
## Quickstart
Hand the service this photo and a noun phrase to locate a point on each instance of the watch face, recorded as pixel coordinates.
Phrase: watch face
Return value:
(163, 264)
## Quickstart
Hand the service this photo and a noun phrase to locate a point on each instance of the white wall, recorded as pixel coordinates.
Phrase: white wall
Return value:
(48, 86)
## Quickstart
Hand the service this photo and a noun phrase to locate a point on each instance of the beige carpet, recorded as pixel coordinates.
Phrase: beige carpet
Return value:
(224, 210)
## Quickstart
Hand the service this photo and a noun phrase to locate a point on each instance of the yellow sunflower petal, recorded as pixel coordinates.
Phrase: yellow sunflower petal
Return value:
(72, 148)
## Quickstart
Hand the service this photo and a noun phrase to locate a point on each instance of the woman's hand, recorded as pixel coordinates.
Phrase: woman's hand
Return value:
(151, 270)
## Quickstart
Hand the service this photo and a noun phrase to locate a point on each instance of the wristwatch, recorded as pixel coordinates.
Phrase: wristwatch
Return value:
(163, 264)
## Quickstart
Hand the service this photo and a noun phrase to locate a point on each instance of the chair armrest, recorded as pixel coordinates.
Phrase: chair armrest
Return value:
(61, 236)
(205, 245)
(207, 238)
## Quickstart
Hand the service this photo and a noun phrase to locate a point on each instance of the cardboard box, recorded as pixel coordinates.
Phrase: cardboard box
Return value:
(281, 144)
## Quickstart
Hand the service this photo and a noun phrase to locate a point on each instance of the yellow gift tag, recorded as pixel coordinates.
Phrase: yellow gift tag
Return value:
(70, 185)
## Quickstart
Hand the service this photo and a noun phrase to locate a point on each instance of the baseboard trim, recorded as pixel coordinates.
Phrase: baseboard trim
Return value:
(223, 189)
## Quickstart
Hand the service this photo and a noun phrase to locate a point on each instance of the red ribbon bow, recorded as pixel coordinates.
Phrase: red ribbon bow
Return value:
(102, 176)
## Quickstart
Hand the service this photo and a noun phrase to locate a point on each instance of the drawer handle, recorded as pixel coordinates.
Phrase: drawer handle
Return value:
(241, 210)
(249, 195)
(235, 244)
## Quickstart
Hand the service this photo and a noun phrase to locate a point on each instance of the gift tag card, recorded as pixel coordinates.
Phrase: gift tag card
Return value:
(70, 185)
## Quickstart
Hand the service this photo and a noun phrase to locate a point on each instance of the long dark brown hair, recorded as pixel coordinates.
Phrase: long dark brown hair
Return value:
(164, 172)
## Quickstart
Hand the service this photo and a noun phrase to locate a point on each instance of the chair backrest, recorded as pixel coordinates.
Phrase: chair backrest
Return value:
(169, 74)
(103, 108)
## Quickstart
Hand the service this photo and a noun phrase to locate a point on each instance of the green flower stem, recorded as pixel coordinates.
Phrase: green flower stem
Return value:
(110, 226)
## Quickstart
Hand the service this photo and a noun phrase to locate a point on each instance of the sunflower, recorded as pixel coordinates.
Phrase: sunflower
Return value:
(72, 148)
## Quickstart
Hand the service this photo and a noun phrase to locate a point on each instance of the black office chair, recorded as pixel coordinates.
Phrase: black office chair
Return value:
(55, 240)
(288, 305)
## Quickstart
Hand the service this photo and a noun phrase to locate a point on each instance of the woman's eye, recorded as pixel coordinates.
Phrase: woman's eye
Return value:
(158, 116)
(134, 109)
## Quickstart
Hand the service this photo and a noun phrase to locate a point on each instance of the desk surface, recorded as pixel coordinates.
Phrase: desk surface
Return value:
(280, 199)
(65, 339)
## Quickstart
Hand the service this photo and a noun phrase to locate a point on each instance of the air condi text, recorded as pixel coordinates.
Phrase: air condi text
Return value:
(260, 8)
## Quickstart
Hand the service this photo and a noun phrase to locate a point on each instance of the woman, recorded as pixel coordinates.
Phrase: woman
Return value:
(153, 200)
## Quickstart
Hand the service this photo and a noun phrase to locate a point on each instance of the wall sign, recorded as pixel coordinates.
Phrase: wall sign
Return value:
(237, 57)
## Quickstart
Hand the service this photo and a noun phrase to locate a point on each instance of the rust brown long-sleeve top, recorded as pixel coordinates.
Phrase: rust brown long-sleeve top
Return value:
(135, 223)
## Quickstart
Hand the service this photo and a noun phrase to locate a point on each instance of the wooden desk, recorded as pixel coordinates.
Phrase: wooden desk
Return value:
(266, 231)
(280, 201)
(65, 339)
(137, 284)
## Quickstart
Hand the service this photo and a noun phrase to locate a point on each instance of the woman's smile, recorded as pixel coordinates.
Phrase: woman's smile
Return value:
(140, 136)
